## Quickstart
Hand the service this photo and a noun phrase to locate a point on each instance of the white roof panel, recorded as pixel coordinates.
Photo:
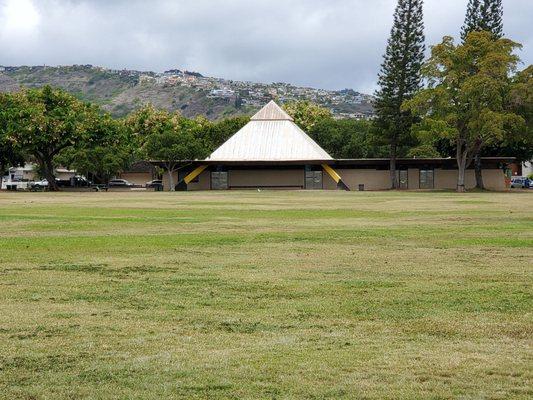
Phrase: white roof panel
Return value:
(271, 135)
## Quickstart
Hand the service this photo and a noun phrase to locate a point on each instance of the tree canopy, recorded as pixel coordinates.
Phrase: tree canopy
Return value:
(43, 122)
(468, 94)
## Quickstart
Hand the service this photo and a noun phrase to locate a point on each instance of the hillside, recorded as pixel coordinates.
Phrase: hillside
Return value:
(121, 91)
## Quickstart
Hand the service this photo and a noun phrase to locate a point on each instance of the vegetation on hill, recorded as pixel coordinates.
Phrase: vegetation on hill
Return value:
(190, 93)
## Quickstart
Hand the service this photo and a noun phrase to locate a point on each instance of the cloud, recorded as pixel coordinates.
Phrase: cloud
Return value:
(319, 43)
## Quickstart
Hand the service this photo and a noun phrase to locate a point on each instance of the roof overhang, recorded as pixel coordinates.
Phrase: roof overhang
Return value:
(346, 163)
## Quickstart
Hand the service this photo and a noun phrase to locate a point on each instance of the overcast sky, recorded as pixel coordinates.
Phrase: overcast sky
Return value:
(330, 44)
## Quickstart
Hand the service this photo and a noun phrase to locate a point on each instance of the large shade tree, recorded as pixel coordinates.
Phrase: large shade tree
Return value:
(111, 151)
(173, 142)
(399, 79)
(44, 122)
(468, 95)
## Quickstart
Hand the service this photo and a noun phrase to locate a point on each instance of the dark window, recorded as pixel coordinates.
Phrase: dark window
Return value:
(426, 179)
(403, 179)
(313, 179)
(219, 180)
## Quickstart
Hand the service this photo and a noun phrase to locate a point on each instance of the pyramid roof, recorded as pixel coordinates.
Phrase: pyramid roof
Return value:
(271, 135)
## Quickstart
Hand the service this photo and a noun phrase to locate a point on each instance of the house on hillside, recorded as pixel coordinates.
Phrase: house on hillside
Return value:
(272, 152)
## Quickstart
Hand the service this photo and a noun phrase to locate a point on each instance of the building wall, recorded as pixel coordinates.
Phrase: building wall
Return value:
(138, 178)
(413, 178)
(527, 168)
(290, 178)
(65, 175)
(493, 179)
(204, 181)
(372, 179)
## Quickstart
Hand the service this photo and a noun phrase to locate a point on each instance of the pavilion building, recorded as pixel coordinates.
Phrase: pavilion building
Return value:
(272, 152)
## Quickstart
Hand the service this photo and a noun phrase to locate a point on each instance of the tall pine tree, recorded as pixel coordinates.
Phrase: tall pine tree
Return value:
(482, 15)
(399, 78)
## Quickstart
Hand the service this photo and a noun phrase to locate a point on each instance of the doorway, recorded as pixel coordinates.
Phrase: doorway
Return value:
(403, 179)
(313, 180)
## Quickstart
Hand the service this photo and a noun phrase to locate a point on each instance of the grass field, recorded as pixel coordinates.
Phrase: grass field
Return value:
(288, 295)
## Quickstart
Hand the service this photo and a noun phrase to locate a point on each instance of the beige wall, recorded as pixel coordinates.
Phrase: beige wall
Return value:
(264, 177)
(371, 178)
(204, 181)
(413, 178)
(138, 178)
(493, 179)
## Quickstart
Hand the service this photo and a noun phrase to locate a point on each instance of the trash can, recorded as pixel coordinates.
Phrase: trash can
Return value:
(361, 187)
(158, 187)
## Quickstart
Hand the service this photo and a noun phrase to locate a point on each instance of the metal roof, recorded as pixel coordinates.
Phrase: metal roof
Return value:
(271, 135)
(271, 112)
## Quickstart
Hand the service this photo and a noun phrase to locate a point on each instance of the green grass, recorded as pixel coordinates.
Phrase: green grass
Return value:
(285, 295)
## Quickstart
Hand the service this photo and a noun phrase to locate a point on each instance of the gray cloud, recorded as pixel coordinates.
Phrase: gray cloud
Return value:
(320, 43)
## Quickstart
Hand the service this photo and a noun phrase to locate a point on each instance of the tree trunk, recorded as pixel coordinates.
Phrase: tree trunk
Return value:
(461, 168)
(477, 168)
(171, 179)
(393, 180)
(48, 170)
(2, 175)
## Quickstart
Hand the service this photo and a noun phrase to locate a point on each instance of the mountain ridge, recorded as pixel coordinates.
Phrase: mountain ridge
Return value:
(122, 91)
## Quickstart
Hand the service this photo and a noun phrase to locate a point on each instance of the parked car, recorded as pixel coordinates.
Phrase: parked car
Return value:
(119, 183)
(38, 184)
(154, 183)
(76, 181)
(520, 182)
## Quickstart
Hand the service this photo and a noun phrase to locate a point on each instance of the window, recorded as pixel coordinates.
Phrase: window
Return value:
(219, 180)
(403, 179)
(426, 179)
(313, 179)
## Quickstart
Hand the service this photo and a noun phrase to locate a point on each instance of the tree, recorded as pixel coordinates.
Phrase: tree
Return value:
(178, 140)
(482, 15)
(214, 134)
(306, 114)
(399, 78)
(146, 121)
(43, 122)
(345, 138)
(468, 93)
(9, 155)
(519, 143)
(111, 152)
